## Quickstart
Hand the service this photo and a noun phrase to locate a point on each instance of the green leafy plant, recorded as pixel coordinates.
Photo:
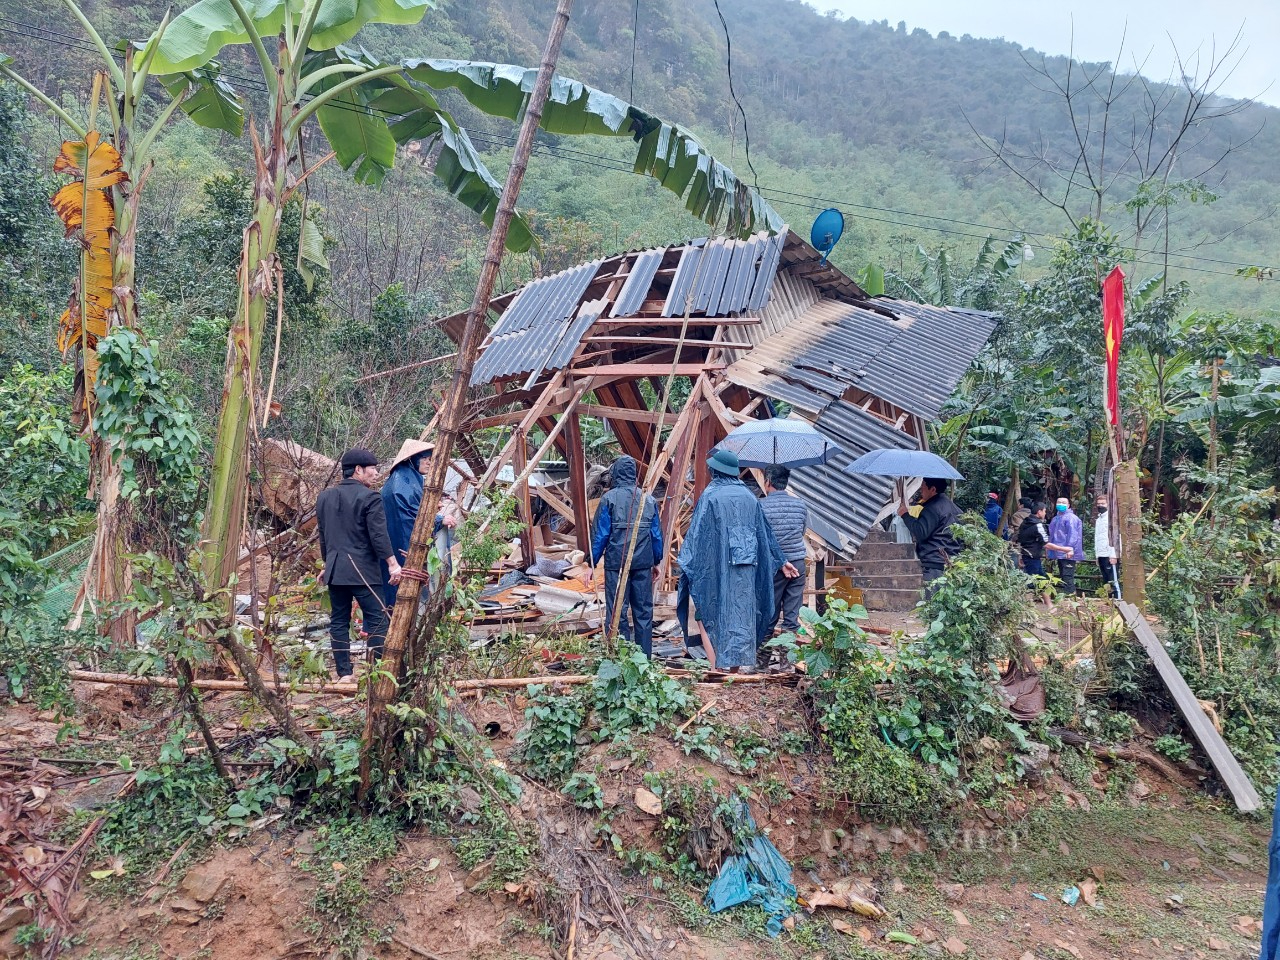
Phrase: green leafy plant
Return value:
(584, 790)
(1173, 747)
(151, 430)
(548, 744)
(632, 693)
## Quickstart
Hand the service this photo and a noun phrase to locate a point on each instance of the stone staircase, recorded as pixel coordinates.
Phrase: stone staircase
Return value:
(888, 572)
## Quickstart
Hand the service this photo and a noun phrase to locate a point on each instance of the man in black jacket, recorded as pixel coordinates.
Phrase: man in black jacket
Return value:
(354, 544)
(935, 546)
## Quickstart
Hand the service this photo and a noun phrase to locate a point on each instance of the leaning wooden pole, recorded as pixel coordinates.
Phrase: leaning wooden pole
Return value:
(452, 414)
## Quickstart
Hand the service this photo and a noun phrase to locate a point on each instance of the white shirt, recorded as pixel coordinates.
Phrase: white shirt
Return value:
(1102, 537)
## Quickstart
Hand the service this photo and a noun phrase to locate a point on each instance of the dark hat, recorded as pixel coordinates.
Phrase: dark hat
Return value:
(359, 457)
(724, 461)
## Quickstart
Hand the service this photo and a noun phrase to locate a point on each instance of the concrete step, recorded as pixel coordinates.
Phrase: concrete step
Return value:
(891, 600)
(914, 582)
(883, 568)
(886, 551)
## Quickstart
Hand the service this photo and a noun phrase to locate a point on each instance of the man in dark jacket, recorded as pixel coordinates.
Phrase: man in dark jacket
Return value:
(354, 544)
(621, 510)
(935, 546)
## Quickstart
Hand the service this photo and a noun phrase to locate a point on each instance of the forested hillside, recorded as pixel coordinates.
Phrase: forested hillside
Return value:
(868, 117)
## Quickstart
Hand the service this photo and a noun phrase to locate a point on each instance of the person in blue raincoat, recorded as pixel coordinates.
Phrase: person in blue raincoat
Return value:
(402, 498)
(727, 562)
(1271, 901)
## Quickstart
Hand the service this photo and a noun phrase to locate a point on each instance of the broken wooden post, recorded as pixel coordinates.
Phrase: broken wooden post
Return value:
(1233, 776)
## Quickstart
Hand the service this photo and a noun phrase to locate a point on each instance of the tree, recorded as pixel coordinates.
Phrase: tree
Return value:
(366, 109)
(100, 208)
(1125, 158)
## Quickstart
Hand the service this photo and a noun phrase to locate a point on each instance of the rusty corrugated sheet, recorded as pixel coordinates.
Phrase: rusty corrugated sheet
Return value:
(913, 360)
(848, 503)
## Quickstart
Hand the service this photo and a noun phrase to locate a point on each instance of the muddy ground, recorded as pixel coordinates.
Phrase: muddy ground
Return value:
(1176, 872)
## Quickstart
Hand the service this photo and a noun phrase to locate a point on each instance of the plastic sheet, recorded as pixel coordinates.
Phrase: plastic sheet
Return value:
(759, 875)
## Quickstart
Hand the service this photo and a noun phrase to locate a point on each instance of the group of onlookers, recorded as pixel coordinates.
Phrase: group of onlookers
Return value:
(742, 561)
(1059, 540)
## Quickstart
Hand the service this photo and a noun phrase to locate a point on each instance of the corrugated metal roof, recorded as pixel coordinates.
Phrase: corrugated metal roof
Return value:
(913, 360)
(847, 503)
(735, 274)
(531, 329)
(636, 288)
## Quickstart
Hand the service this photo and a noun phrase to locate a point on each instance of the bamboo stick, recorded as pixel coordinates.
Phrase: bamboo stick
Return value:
(349, 689)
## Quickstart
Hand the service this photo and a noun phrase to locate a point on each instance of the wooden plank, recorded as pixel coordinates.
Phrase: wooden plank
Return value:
(648, 369)
(531, 416)
(1220, 755)
(554, 502)
(622, 413)
(520, 459)
(671, 342)
(578, 482)
(507, 419)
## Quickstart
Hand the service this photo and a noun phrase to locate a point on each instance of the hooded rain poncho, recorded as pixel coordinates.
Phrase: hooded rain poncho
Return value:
(727, 563)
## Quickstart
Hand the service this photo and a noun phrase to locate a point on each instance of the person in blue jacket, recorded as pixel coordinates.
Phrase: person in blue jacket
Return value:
(620, 510)
(1271, 903)
(401, 500)
(992, 512)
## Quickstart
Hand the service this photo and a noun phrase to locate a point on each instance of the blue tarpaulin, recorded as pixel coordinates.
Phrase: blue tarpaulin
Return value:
(759, 875)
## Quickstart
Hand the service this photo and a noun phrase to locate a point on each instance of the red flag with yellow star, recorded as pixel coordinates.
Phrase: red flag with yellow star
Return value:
(1113, 332)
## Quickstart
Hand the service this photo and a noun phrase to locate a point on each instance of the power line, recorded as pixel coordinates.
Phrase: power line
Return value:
(775, 195)
(728, 63)
(635, 32)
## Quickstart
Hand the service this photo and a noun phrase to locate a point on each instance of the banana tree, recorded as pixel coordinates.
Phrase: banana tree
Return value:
(366, 109)
(100, 210)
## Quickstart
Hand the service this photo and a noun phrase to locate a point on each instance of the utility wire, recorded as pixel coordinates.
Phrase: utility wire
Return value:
(635, 32)
(775, 195)
(728, 62)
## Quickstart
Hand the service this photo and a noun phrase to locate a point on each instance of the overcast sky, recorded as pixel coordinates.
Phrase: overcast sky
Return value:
(1193, 25)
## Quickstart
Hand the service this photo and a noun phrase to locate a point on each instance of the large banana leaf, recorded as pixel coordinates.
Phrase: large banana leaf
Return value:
(86, 206)
(670, 155)
(198, 33)
(209, 100)
(366, 123)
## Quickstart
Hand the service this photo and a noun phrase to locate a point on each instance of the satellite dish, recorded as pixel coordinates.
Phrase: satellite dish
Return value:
(826, 231)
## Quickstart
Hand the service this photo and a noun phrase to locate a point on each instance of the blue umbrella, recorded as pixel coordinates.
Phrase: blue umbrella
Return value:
(779, 442)
(904, 463)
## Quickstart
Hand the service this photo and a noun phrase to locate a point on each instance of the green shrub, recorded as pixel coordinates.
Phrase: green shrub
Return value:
(632, 693)
(548, 745)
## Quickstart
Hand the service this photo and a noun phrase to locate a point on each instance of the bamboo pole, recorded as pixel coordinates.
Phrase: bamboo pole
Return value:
(452, 414)
(352, 688)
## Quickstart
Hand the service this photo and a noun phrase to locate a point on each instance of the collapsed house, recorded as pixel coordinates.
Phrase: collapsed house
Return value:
(750, 328)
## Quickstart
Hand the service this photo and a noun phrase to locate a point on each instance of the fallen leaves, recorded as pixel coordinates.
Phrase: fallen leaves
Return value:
(955, 946)
(648, 802)
(846, 894)
(1089, 891)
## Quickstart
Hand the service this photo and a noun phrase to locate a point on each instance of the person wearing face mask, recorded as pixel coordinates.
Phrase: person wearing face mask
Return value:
(1066, 544)
(1105, 550)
